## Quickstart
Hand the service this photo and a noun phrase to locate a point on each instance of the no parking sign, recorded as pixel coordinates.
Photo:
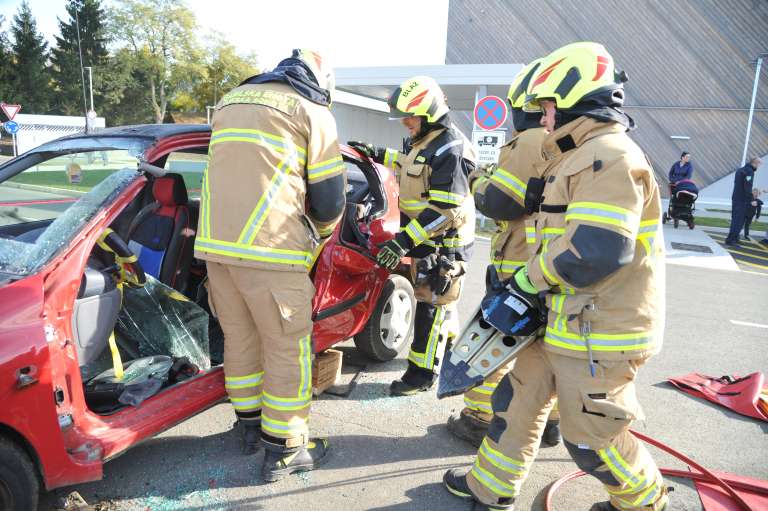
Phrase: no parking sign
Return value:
(490, 113)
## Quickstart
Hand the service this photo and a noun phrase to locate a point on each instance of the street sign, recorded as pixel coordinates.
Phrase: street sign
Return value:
(487, 144)
(490, 113)
(10, 110)
(11, 127)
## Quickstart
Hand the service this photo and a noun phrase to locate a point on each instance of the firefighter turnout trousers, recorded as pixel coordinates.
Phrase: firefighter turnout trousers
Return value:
(596, 413)
(266, 317)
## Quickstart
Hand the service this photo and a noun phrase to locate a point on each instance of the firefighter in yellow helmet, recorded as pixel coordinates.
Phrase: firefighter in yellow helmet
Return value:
(437, 216)
(273, 189)
(599, 264)
(499, 193)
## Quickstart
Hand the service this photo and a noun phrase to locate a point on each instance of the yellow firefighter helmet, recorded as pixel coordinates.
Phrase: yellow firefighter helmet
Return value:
(418, 96)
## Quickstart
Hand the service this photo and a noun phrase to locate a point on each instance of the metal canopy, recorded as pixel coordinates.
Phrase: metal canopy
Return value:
(459, 82)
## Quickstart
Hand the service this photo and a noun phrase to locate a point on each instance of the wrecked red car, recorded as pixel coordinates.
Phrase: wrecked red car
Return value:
(65, 315)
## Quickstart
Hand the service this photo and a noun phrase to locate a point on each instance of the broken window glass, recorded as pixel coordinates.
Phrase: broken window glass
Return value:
(158, 320)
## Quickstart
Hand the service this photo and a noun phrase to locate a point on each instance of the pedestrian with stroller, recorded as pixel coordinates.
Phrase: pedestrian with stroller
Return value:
(681, 170)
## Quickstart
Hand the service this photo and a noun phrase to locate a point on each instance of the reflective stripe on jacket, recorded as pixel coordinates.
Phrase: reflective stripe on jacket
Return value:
(599, 248)
(500, 195)
(271, 154)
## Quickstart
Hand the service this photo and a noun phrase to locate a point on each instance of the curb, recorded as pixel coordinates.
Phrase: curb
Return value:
(48, 189)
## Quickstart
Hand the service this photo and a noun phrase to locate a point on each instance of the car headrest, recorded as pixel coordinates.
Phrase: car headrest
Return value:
(170, 190)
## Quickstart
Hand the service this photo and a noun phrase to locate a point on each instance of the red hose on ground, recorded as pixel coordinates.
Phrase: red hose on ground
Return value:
(703, 475)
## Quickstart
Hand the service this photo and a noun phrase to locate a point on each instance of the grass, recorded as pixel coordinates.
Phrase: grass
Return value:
(724, 222)
(90, 178)
(59, 179)
(719, 210)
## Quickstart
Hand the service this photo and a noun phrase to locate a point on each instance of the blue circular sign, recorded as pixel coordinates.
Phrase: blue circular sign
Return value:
(11, 127)
(490, 112)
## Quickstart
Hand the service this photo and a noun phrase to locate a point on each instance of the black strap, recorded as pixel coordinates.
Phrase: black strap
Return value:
(554, 208)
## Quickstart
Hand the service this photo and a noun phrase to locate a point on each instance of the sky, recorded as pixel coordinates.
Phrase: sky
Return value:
(346, 32)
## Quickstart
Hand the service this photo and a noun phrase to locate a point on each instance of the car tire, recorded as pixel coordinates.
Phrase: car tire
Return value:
(691, 224)
(390, 327)
(676, 222)
(19, 484)
(664, 218)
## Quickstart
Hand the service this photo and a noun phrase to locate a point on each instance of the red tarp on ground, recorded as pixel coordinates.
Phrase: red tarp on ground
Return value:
(747, 396)
(714, 498)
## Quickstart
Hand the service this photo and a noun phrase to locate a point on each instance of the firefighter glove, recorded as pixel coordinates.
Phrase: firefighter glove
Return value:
(368, 150)
(442, 276)
(390, 254)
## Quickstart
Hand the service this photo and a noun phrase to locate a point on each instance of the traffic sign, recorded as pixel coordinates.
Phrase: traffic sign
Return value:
(490, 113)
(11, 127)
(10, 110)
(487, 145)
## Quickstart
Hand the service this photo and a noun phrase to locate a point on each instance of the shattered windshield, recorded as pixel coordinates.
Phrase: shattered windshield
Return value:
(39, 216)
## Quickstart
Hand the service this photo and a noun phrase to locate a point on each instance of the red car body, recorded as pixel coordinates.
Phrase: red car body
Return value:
(43, 405)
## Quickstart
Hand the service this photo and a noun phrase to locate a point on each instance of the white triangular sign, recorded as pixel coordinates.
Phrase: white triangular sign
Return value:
(10, 110)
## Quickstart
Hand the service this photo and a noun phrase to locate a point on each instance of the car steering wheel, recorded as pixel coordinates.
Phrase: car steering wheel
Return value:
(131, 272)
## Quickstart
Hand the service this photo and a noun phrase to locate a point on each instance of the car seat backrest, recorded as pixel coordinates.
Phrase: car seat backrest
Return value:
(162, 233)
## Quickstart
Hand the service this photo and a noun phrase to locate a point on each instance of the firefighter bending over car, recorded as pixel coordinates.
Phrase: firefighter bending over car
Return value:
(601, 271)
(273, 189)
(499, 193)
(437, 216)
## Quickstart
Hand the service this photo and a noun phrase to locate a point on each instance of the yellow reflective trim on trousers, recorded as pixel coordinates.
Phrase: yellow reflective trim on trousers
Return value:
(477, 405)
(486, 388)
(253, 253)
(499, 460)
(285, 403)
(509, 181)
(506, 265)
(295, 427)
(246, 403)
(305, 366)
(619, 467)
(434, 336)
(492, 483)
(530, 235)
(242, 382)
(205, 206)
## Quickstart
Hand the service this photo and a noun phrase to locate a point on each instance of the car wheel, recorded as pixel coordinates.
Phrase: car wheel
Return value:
(676, 222)
(664, 218)
(691, 224)
(19, 485)
(390, 327)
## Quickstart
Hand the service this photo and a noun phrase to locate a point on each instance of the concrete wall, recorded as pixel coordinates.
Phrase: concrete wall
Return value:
(720, 191)
(356, 123)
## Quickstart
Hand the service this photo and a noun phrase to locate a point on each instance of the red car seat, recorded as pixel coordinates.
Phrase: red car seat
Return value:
(162, 233)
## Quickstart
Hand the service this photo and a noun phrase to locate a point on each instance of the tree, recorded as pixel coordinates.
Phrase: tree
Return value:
(65, 56)
(224, 69)
(161, 39)
(30, 82)
(5, 63)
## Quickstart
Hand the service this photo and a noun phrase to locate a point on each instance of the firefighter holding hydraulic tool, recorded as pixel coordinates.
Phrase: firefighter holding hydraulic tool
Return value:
(599, 264)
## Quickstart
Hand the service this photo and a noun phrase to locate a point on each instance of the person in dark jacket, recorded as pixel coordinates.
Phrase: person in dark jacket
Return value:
(753, 212)
(741, 197)
(682, 169)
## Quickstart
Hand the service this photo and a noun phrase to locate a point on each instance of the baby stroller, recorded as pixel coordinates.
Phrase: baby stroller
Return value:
(682, 203)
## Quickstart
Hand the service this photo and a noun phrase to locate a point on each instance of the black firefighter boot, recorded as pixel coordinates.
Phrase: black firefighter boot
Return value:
(455, 481)
(414, 380)
(280, 461)
(468, 426)
(250, 435)
(551, 436)
(660, 505)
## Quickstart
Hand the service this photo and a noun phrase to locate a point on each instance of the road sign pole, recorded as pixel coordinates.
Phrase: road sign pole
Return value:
(14, 145)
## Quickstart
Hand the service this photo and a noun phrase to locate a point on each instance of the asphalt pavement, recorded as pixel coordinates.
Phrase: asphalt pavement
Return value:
(390, 453)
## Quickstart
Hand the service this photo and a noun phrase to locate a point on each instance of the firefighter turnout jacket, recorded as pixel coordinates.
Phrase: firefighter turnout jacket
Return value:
(436, 209)
(599, 246)
(276, 169)
(500, 195)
